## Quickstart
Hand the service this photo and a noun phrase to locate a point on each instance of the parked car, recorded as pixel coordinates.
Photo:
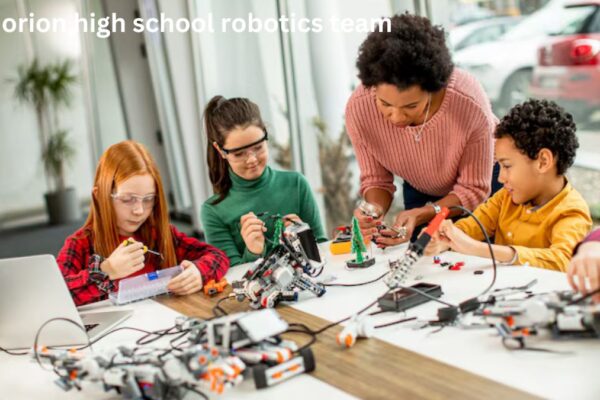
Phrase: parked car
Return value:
(568, 69)
(505, 67)
(478, 32)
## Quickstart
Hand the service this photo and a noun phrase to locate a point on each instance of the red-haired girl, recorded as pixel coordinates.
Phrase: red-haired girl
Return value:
(128, 202)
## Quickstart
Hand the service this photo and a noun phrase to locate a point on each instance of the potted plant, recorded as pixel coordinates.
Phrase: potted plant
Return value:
(47, 89)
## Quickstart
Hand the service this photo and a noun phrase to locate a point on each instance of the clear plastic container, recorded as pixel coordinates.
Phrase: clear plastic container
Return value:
(144, 286)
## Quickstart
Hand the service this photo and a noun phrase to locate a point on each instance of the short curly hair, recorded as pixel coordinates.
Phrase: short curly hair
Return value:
(541, 124)
(414, 52)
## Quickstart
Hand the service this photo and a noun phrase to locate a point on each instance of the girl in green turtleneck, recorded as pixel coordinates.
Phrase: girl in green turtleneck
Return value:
(245, 186)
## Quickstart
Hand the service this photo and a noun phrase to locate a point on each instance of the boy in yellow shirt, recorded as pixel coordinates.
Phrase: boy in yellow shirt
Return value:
(538, 218)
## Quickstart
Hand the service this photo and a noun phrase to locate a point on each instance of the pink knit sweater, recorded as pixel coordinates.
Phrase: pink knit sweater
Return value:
(455, 154)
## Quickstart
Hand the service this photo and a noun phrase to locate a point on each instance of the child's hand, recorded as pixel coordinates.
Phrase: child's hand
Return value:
(187, 282)
(287, 220)
(585, 265)
(252, 231)
(438, 244)
(458, 241)
(124, 261)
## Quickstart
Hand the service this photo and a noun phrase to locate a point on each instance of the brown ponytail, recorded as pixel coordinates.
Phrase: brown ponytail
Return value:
(221, 116)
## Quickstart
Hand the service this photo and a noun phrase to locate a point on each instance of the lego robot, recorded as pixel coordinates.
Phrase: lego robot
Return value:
(559, 312)
(219, 354)
(254, 338)
(284, 272)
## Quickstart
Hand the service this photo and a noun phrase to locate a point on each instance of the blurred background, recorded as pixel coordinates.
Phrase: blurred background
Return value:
(66, 97)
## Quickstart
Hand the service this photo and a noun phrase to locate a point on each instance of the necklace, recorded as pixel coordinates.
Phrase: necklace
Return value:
(417, 136)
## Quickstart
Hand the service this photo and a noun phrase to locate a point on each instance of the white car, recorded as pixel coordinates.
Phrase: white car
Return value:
(478, 32)
(504, 67)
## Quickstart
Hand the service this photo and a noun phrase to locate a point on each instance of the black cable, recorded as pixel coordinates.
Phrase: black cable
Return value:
(488, 241)
(157, 335)
(13, 353)
(306, 331)
(355, 284)
(586, 296)
(524, 347)
(37, 337)
(197, 391)
(395, 322)
(427, 295)
(218, 307)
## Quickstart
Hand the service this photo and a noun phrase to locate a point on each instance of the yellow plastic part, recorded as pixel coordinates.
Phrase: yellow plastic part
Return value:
(340, 247)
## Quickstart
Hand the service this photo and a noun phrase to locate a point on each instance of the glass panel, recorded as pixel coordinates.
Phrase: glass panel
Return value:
(108, 104)
(562, 67)
(248, 65)
(21, 173)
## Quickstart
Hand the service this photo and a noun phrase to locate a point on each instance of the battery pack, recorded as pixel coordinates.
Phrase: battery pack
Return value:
(404, 298)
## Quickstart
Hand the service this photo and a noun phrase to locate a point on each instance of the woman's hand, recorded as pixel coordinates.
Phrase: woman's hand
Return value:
(585, 266)
(253, 232)
(367, 224)
(405, 222)
(124, 261)
(187, 282)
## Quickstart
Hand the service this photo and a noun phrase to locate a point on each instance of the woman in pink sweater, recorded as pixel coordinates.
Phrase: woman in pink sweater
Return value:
(417, 117)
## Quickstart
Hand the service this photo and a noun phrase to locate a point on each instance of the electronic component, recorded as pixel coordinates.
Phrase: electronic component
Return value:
(212, 288)
(557, 311)
(217, 355)
(360, 326)
(281, 274)
(306, 239)
(404, 298)
(342, 243)
(402, 268)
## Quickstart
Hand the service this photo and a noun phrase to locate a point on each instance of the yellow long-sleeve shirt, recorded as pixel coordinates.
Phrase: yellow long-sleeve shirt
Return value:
(544, 237)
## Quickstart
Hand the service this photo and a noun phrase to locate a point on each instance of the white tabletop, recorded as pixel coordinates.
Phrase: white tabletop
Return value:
(479, 351)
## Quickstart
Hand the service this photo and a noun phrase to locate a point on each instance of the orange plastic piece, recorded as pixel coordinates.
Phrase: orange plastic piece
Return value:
(202, 360)
(349, 341)
(212, 288)
(277, 375)
(280, 357)
(73, 375)
(510, 320)
(294, 367)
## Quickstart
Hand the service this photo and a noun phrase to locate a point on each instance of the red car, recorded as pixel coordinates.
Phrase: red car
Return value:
(568, 69)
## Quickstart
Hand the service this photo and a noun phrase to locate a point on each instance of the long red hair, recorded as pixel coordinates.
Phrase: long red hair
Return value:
(120, 162)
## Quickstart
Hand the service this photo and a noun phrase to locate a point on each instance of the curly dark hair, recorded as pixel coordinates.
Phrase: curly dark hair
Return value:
(414, 52)
(541, 124)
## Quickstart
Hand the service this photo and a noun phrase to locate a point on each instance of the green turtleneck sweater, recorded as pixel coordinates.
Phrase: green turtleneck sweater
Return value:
(276, 192)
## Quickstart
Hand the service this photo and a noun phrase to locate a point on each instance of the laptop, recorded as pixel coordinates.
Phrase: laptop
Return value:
(33, 291)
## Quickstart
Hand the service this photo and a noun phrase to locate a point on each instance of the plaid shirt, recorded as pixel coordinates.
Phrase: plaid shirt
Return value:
(80, 266)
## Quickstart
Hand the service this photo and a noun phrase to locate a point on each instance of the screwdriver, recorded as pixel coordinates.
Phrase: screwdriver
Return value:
(129, 241)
